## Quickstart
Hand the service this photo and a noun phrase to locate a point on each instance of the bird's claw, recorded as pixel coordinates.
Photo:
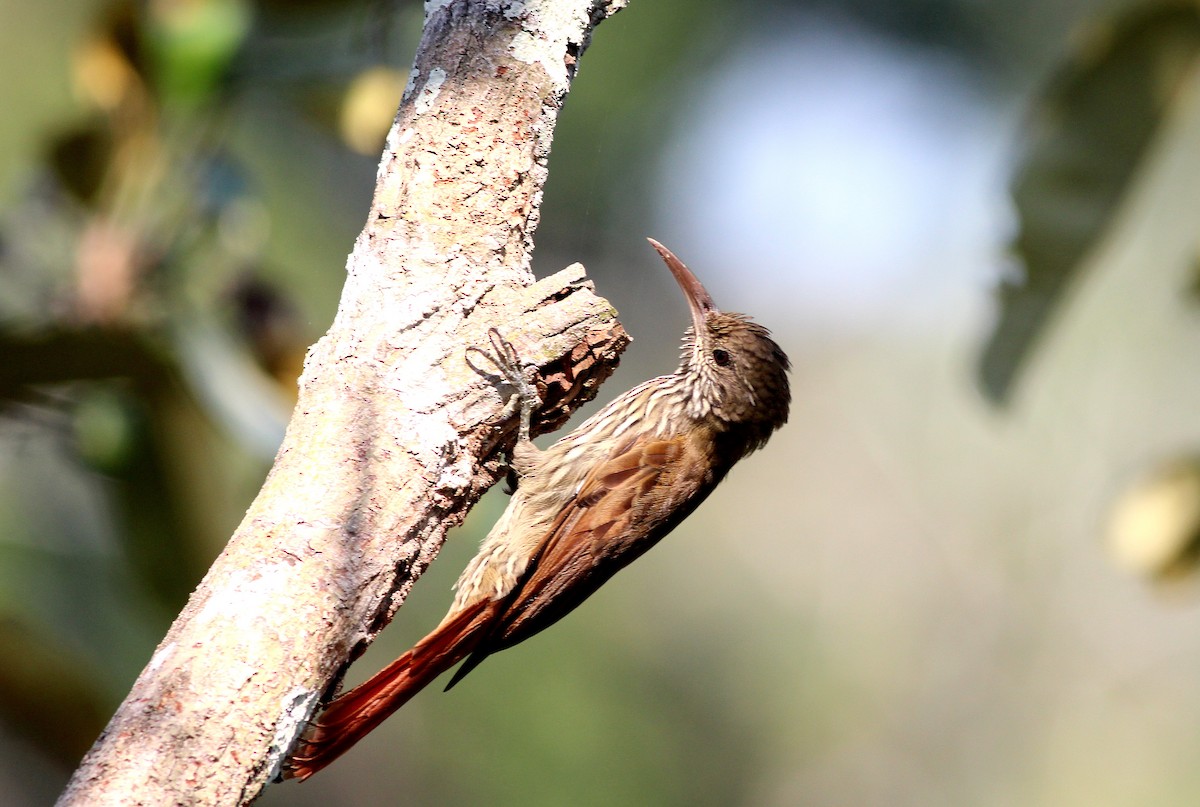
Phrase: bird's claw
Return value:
(504, 356)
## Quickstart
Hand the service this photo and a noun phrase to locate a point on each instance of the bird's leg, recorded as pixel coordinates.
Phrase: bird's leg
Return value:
(504, 356)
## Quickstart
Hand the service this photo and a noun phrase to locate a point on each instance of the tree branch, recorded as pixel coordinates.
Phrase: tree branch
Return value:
(394, 435)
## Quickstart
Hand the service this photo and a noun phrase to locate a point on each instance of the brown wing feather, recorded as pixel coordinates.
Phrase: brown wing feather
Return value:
(624, 506)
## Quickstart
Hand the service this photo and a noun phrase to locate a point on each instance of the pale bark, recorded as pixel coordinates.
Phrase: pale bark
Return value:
(394, 435)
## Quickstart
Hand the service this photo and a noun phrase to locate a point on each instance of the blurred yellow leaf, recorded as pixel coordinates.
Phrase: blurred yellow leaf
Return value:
(369, 108)
(1155, 526)
(102, 74)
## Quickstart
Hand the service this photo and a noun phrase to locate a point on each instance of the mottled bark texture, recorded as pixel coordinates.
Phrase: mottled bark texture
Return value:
(395, 434)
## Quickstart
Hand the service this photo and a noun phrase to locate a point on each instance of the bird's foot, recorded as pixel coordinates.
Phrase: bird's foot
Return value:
(526, 399)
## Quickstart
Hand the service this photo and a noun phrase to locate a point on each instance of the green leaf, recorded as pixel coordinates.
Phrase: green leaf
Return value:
(1090, 131)
(194, 44)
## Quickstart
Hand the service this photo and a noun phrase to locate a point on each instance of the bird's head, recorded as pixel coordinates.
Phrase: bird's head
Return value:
(733, 370)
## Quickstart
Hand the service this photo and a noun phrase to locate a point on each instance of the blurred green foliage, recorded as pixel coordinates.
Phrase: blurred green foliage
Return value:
(1089, 134)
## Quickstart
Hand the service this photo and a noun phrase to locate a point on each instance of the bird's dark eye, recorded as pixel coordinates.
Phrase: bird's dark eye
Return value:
(721, 357)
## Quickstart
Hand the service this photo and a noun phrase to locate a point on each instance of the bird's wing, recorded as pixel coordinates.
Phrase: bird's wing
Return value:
(622, 508)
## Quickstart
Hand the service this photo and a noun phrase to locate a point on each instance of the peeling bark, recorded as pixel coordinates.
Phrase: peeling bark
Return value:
(394, 435)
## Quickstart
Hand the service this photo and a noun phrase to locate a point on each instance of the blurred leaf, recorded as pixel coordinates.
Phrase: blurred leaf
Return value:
(80, 160)
(48, 695)
(104, 429)
(233, 391)
(1155, 526)
(194, 43)
(369, 107)
(1091, 129)
(269, 323)
(107, 68)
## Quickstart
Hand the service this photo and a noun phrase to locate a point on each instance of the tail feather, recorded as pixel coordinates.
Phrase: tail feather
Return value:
(350, 717)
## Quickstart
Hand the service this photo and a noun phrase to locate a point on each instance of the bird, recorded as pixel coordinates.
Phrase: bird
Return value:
(585, 507)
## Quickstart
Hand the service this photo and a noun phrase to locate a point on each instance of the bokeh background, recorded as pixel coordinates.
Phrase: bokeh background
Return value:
(960, 575)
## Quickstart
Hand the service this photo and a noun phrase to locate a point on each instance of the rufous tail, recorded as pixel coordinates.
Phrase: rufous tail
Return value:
(351, 716)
